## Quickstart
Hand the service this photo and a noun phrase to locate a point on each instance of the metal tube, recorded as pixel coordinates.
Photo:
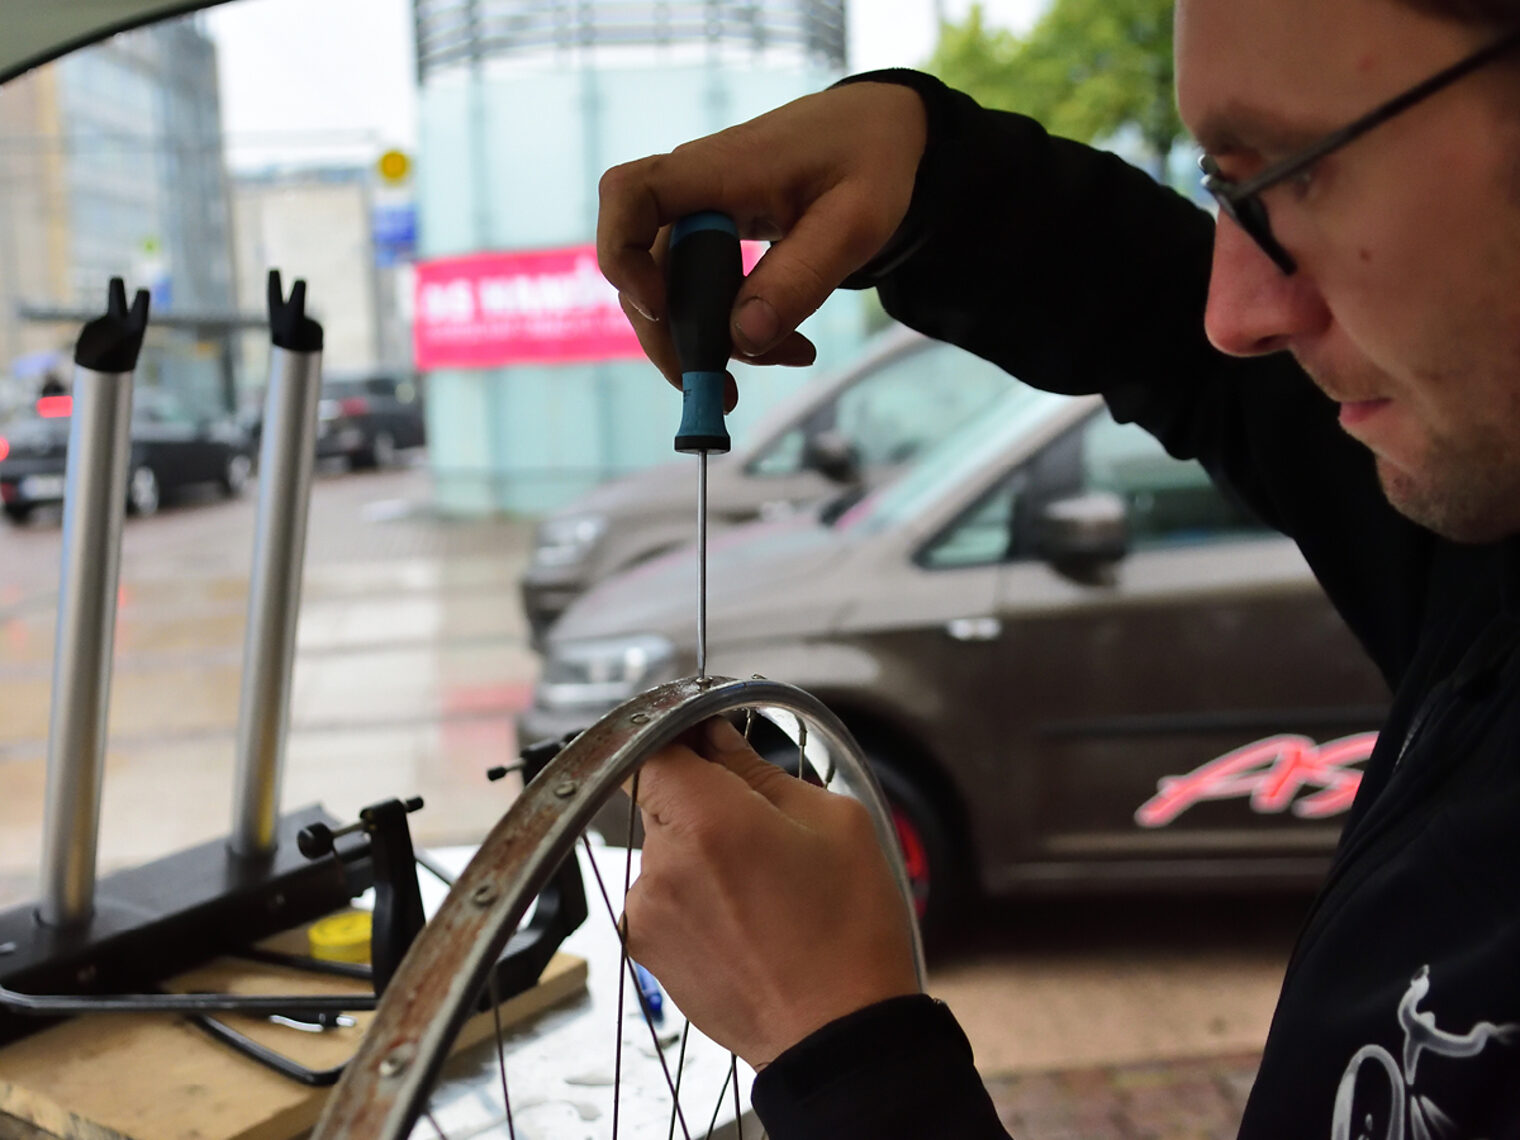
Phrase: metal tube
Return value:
(94, 501)
(287, 453)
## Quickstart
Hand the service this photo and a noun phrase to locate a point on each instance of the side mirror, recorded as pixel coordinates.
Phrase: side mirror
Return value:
(833, 456)
(1083, 536)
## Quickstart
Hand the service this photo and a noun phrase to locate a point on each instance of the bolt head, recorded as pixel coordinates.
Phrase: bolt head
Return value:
(394, 1063)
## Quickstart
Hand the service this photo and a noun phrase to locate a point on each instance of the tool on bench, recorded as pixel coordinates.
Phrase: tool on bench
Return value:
(704, 271)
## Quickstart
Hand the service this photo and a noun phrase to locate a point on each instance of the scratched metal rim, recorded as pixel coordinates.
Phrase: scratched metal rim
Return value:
(383, 1089)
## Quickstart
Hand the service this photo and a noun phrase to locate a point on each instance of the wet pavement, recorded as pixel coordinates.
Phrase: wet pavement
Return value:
(1123, 1018)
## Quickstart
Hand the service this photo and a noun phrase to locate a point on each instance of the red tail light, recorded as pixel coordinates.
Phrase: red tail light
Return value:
(5, 448)
(55, 407)
(353, 405)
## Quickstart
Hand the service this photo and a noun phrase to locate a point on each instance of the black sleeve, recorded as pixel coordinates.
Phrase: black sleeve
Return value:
(1078, 273)
(898, 1070)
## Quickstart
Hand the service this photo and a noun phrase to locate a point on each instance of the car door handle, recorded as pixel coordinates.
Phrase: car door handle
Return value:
(974, 628)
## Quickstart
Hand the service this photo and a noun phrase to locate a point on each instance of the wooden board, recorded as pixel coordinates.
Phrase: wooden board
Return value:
(157, 1077)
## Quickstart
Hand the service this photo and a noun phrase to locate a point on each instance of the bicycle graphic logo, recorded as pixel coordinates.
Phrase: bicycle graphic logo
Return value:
(1406, 1108)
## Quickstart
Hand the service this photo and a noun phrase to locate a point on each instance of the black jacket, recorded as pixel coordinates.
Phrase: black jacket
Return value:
(1400, 1010)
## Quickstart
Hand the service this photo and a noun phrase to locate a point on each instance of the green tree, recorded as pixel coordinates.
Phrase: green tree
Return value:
(1088, 70)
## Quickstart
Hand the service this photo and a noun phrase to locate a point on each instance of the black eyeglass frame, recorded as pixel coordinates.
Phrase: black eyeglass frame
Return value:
(1241, 201)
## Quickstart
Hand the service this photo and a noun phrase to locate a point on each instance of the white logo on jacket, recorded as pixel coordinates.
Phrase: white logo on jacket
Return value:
(1425, 1120)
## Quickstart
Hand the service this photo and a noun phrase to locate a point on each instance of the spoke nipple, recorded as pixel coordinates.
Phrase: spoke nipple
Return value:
(757, 676)
(567, 789)
(705, 682)
(640, 718)
(397, 1061)
(484, 895)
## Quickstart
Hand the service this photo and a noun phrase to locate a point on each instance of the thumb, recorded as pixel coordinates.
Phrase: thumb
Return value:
(724, 744)
(796, 275)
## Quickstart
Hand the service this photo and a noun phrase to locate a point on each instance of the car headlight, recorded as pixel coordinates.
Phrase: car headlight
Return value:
(566, 541)
(603, 672)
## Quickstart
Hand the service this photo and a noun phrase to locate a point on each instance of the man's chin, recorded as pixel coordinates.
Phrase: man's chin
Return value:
(1462, 515)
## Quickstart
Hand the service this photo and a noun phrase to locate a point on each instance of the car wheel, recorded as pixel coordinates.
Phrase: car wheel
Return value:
(142, 491)
(929, 854)
(18, 512)
(235, 475)
(380, 453)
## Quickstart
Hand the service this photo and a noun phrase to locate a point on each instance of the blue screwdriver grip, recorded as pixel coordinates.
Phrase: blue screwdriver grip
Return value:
(705, 272)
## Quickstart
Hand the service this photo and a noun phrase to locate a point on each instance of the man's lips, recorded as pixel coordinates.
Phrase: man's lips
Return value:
(1355, 412)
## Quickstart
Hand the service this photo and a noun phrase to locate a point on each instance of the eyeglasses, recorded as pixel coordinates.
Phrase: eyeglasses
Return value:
(1241, 201)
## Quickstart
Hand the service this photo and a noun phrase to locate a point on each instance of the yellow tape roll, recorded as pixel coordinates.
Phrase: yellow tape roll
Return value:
(342, 937)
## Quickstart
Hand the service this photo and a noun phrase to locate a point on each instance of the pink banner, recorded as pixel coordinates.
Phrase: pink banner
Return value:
(553, 306)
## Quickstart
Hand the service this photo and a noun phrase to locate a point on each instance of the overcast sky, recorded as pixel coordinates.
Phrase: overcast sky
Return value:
(304, 80)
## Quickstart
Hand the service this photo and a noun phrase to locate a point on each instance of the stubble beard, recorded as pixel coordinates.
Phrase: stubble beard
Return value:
(1468, 496)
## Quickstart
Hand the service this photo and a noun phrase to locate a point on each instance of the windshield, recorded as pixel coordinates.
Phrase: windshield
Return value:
(945, 464)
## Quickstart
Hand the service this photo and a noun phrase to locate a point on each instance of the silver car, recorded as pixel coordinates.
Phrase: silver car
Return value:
(852, 431)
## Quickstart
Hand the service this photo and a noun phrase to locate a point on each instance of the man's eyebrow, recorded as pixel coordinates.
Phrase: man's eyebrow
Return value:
(1238, 128)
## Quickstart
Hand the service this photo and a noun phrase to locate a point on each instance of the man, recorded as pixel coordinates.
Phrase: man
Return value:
(1378, 255)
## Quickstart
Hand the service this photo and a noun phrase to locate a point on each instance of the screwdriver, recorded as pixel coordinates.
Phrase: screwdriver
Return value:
(704, 271)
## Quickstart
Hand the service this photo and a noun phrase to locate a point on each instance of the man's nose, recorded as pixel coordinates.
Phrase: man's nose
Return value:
(1254, 308)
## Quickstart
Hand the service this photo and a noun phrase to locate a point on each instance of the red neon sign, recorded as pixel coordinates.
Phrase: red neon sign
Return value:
(550, 306)
(1270, 773)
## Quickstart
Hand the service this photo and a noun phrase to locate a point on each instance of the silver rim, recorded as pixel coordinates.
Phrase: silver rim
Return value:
(384, 1089)
(143, 491)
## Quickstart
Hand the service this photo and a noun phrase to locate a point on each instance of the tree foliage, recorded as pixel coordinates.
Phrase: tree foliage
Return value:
(1088, 70)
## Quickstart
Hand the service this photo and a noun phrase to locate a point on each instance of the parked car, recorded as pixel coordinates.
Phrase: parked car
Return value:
(850, 432)
(365, 419)
(1072, 661)
(172, 447)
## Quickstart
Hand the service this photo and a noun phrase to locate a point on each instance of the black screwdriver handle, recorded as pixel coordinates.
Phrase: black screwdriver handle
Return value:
(705, 269)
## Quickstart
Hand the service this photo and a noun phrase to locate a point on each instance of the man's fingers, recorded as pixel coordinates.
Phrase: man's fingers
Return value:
(835, 237)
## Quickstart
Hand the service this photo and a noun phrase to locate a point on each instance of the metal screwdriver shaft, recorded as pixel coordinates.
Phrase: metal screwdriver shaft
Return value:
(705, 270)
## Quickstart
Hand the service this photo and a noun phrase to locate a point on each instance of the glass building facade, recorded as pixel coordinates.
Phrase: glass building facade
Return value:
(523, 104)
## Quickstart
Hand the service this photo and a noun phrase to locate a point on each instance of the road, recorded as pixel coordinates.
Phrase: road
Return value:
(1092, 1017)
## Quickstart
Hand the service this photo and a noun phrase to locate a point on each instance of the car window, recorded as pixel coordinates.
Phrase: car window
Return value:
(915, 400)
(1171, 501)
(957, 457)
(897, 410)
(981, 536)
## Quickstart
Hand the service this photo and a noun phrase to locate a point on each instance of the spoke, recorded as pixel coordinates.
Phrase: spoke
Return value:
(501, 1057)
(433, 1120)
(717, 1108)
(733, 1075)
(675, 1099)
(654, 1035)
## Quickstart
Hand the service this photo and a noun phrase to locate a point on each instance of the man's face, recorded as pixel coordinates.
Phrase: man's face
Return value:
(1406, 305)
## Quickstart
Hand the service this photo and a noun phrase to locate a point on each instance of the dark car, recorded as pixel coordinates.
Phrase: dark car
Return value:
(1072, 660)
(172, 448)
(369, 419)
(365, 419)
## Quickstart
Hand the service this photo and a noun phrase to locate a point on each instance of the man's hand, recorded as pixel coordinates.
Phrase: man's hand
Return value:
(827, 179)
(764, 905)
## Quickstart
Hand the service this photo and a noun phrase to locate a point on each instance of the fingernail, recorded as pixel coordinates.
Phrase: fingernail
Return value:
(756, 326)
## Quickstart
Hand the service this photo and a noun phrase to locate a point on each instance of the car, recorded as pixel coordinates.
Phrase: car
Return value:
(846, 434)
(365, 419)
(1072, 661)
(172, 448)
